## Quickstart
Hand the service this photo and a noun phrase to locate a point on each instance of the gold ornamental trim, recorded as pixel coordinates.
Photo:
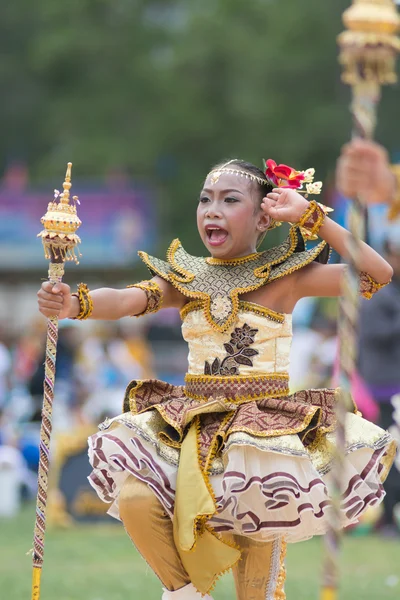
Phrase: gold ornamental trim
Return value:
(237, 389)
(190, 377)
(244, 306)
(219, 286)
(232, 261)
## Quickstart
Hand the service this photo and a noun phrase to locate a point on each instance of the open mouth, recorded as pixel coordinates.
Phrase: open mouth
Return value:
(216, 236)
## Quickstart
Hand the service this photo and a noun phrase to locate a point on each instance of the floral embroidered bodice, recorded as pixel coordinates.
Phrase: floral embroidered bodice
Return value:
(258, 343)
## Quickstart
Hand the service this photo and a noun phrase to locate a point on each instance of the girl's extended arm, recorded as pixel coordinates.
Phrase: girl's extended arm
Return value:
(108, 303)
(326, 280)
(317, 279)
(369, 260)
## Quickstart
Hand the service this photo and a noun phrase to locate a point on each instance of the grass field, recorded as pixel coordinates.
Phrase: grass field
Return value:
(99, 563)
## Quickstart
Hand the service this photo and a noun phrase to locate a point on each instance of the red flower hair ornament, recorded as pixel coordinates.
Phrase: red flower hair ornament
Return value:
(283, 176)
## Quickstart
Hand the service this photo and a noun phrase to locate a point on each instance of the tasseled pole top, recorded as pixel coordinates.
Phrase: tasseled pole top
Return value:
(60, 225)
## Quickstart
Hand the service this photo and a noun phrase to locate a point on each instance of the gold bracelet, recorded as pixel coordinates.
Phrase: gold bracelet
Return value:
(154, 296)
(368, 286)
(85, 302)
(311, 220)
(394, 208)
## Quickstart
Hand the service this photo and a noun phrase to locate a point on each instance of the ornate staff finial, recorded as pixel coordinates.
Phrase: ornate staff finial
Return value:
(60, 225)
(67, 183)
(369, 47)
(368, 54)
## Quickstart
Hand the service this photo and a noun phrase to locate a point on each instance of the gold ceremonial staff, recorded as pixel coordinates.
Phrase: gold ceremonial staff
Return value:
(368, 54)
(59, 240)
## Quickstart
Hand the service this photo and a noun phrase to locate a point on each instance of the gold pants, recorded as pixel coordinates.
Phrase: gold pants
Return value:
(259, 575)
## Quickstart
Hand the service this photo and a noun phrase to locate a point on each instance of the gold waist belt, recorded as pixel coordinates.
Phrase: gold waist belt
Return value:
(239, 388)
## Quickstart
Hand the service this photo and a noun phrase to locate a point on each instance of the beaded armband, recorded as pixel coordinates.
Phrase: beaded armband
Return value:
(85, 302)
(368, 285)
(154, 296)
(311, 220)
(394, 209)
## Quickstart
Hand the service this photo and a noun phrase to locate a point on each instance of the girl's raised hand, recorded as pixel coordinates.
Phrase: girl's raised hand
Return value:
(55, 300)
(284, 204)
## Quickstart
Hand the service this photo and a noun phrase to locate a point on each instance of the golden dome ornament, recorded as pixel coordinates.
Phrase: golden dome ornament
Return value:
(368, 50)
(60, 225)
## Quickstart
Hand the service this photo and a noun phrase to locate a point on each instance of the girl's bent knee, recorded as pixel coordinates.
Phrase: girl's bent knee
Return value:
(136, 496)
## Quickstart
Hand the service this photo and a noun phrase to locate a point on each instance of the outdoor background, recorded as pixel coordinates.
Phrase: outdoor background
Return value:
(143, 97)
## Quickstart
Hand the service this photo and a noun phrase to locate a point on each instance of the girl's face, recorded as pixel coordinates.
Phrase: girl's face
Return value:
(229, 217)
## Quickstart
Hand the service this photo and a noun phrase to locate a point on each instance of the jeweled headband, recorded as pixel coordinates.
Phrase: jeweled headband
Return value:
(216, 173)
(281, 176)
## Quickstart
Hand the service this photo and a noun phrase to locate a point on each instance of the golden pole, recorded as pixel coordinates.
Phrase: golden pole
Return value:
(368, 53)
(59, 241)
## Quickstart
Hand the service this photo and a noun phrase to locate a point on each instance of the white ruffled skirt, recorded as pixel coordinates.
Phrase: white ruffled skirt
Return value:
(264, 487)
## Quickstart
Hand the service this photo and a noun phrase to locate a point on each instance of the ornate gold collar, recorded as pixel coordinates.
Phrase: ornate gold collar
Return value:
(219, 283)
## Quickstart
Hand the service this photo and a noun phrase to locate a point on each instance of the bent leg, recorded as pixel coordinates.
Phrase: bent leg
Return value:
(260, 573)
(150, 529)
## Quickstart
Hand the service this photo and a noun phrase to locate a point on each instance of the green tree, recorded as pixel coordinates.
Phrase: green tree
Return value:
(168, 88)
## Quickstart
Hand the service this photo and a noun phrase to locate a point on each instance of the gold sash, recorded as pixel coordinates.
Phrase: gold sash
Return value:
(204, 555)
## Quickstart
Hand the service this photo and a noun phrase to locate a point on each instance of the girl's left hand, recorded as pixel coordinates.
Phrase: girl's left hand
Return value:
(284, 204)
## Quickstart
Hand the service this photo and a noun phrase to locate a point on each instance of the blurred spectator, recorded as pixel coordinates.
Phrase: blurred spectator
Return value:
(313, 346)
(108, 359)
(379, 362)
(28, 350)
(15, 177)
(5, 372)
(16, 479)
(66, 382)
(13, 475)
(395, 431)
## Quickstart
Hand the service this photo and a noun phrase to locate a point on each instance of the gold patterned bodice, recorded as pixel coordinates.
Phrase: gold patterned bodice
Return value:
(217, 284)
(258, 343)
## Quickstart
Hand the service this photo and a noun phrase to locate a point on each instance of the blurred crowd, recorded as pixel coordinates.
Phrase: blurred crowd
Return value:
(96, 360)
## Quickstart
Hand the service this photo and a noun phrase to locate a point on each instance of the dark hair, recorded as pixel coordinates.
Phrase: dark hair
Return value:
(242, 165)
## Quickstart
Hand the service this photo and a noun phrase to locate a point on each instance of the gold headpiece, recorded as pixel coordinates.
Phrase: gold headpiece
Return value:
(60, 224)
(216, 173)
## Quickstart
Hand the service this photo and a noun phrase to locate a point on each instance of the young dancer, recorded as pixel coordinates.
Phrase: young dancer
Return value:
(220, 473)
